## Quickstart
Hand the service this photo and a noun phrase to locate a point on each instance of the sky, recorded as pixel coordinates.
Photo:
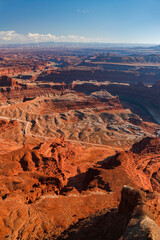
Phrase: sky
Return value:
(105, 21)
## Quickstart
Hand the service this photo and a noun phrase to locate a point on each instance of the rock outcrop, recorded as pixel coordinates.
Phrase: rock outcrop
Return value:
(132, 220)
(6, 81)
(138, 167)
(6, 125)
(32, 172)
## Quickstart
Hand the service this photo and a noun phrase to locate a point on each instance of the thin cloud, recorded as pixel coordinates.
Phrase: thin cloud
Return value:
(49, 37)
(82, 11)
(13, 37)
(36, 37)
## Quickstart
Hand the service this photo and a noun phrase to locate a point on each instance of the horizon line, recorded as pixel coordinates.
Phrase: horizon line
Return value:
(72, 42)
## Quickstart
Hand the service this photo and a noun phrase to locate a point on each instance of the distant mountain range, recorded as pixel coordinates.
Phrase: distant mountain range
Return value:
(80, 44)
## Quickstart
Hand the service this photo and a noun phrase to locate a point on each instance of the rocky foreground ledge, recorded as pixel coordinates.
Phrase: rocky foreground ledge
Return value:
(133, 219)
(59, 190)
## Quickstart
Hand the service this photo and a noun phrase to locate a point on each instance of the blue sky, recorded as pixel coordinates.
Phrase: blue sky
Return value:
(110, 21)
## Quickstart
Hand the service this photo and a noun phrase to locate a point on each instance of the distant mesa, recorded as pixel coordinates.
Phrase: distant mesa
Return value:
(136, 58)
(6, 81)
(156, 48)
(25, 77)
